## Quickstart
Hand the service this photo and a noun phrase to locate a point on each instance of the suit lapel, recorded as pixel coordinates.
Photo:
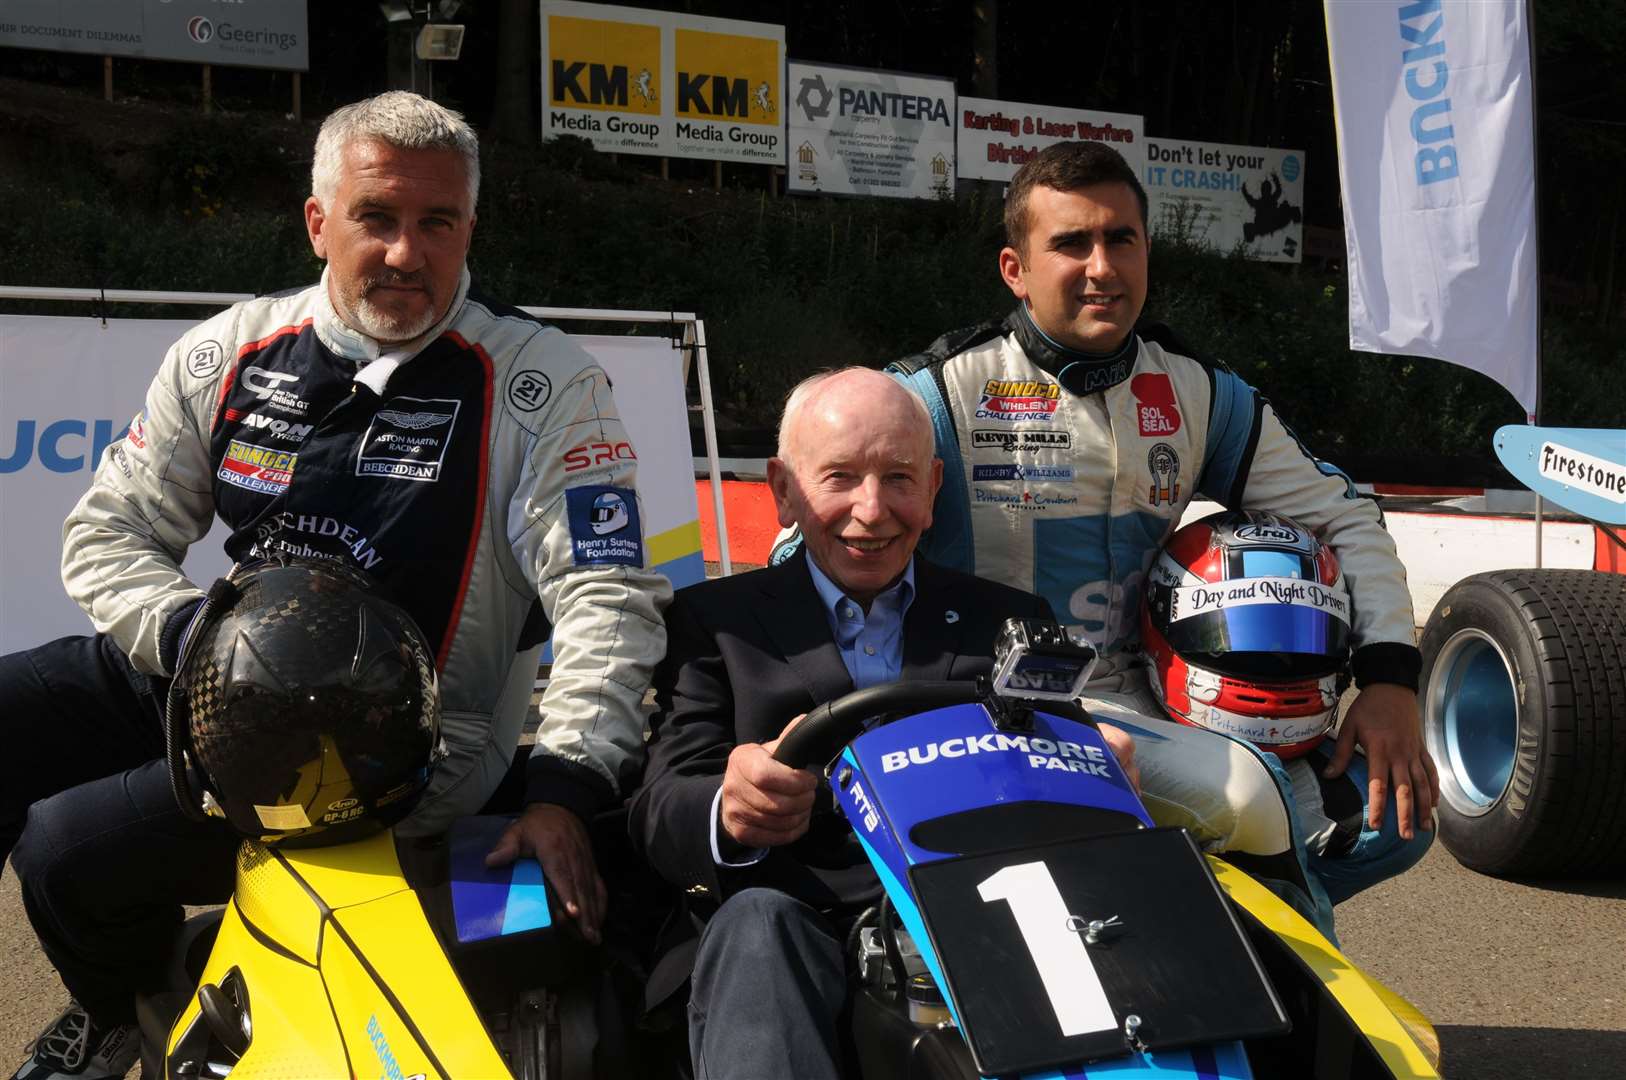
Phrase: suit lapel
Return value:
(794, 620)
(932, 630)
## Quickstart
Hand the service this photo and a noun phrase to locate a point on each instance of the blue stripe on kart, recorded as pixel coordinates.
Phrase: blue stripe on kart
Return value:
(527, 907)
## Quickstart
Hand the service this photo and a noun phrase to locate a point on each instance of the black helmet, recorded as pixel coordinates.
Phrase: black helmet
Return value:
(307, 703)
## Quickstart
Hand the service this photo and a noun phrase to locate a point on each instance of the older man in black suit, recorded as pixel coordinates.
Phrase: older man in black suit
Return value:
(768, 868)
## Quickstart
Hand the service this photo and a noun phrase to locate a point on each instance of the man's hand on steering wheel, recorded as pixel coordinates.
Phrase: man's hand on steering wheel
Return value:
(765, 803)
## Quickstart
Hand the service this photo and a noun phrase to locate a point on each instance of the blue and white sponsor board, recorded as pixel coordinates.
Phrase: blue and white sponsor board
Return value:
(71, 387)
(1227, 197)
(857, 131)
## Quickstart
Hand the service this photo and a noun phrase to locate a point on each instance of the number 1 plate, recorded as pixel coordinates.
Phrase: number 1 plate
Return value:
(1031, 994)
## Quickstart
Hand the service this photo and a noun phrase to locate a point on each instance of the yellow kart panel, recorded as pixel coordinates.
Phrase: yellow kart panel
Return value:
(347, 874)
(1389, 1035)
(276, 903)
(379, 1040)
(394, 935)
(294, 1033)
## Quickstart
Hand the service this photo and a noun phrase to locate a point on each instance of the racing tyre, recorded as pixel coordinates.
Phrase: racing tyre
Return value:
(1524, 710)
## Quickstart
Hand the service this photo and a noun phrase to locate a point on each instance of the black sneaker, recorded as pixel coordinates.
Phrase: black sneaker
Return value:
(74, 1048)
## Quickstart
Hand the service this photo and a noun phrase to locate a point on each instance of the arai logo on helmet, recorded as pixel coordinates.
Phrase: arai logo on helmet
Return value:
(200, 29)
(1269, 534)
(609, 513)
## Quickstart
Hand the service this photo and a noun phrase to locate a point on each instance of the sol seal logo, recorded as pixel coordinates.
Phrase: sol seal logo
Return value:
(200, 29)
(1154, 403)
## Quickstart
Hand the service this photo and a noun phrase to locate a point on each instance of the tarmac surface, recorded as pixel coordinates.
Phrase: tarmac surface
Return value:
(1523, 982)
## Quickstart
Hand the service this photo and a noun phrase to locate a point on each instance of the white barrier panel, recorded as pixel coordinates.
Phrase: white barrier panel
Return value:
(69, 387)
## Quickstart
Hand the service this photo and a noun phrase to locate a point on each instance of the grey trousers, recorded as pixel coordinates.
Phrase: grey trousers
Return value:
(767, 991)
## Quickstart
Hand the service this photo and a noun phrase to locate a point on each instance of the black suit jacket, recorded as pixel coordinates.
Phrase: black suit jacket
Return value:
(746, 654)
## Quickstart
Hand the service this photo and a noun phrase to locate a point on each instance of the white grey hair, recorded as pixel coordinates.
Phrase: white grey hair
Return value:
(802, 391)
(401, 119)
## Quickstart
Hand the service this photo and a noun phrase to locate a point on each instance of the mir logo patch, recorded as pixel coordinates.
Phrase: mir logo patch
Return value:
(604, 526)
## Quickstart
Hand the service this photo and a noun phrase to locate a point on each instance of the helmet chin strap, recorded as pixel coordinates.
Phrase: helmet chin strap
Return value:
(222, 594)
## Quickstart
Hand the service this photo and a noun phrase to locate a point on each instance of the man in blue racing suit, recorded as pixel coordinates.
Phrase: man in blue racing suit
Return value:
(1073, 442)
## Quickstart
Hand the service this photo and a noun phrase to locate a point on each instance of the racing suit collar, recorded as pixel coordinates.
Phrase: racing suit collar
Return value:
(350, 343)
(1078, 372)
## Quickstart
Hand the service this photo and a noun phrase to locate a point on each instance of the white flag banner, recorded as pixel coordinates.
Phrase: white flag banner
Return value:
(1436, 158)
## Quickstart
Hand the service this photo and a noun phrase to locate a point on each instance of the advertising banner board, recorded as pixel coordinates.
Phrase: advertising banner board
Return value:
(1227, 196)
(654, 82)
(995, 138)
(248, 33)
(856, 131)
(1436, 157)
(69, 388)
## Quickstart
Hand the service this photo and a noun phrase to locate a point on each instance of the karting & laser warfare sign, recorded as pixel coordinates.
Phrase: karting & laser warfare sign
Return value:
(653, 82)
(1227, 197)
(995, 138)
(854, 131)
(248, 33)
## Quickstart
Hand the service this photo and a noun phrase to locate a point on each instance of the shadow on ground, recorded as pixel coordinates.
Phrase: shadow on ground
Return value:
(1531, 1053)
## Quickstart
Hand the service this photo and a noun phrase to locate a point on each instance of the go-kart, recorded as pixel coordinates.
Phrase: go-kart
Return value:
(1036, 923)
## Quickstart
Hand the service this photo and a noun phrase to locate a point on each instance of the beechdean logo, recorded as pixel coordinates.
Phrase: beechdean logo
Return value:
(408, 439)
(528, 391)
(200, 29)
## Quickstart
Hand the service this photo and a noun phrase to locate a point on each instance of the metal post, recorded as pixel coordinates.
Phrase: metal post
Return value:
(698, 331)
(717, 176)
(666, 172)
(299, 114)
(1538, 531)
(107, 78)
(208, 95)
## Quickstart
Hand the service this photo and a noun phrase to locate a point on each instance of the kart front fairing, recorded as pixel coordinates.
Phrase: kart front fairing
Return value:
(999, 837)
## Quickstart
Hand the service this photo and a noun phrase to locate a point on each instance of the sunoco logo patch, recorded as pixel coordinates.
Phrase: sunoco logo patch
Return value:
(257, 468)
(407, 439)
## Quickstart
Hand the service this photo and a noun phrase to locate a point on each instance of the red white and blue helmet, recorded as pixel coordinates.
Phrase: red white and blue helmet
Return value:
(1246, 626)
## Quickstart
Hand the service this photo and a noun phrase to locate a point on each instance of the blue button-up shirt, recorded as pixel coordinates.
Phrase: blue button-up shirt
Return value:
(871, 645)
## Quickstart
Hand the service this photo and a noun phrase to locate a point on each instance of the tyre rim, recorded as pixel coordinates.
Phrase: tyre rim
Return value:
(1472, 721)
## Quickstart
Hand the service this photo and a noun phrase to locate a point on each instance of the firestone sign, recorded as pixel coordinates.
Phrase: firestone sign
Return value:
(231, 33)
(653, 82)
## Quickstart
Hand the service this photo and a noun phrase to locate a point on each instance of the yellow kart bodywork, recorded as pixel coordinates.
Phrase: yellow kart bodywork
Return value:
(348, 977)
(1397, 1029)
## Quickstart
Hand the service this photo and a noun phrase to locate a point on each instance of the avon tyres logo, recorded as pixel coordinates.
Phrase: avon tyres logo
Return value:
(257, 468)
(1154, 404)
(200, 30)
(604, 526)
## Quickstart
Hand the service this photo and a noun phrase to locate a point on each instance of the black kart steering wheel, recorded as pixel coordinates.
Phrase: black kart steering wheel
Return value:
(831, 726)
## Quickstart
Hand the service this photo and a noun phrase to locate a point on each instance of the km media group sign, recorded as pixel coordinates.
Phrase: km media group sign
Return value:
(654, 82)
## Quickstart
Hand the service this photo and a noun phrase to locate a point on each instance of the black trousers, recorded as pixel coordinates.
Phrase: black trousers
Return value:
(104, 857)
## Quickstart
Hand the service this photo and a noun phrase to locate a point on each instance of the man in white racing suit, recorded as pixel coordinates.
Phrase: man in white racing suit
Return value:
(1073, 441)
(394, 420)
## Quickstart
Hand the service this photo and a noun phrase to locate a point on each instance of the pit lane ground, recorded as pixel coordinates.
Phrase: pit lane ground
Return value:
(1524, 982)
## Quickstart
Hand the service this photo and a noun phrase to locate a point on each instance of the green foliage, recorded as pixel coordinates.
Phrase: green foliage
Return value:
(788, 286)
